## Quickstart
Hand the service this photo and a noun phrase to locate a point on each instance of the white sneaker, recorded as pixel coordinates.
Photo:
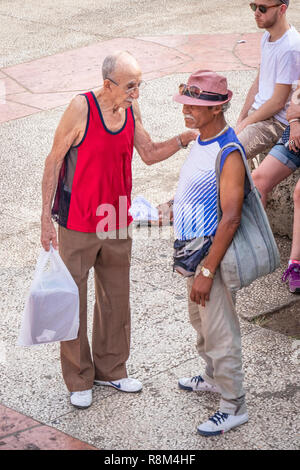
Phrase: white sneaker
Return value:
(196, 384)
(124, 385)
(81, 399)
(220, 423)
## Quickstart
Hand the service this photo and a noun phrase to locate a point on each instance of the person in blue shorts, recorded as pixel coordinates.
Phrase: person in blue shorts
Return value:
(282, 161)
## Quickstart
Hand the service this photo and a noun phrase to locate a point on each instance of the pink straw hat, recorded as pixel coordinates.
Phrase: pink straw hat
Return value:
(213, 89)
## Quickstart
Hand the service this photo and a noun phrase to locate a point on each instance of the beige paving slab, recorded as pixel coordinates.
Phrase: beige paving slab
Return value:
(48, 28)
(15, 226)
(80, 69)
(18, 432)
(268, 293)
(31, 377)
(16, 111)
(8, 86)
(164, 417)
(23, 39)
(42, 101)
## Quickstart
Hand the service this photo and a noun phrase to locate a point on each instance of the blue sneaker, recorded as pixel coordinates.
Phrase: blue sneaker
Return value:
(220, 423)
(196, 384)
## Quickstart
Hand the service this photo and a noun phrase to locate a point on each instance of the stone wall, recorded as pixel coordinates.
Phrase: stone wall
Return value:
(280, 207)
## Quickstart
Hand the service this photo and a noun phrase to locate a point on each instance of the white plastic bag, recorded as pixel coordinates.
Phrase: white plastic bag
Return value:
(51, 311)
(142, 210)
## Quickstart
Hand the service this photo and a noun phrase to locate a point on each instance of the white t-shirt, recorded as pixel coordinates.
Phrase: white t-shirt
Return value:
(280, 63)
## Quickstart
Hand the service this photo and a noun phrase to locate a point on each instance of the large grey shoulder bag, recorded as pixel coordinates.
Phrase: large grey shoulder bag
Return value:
(253, 251)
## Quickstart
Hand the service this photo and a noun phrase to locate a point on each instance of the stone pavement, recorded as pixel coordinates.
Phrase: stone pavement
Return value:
(19, 432)
(62, 56)
(49, 82)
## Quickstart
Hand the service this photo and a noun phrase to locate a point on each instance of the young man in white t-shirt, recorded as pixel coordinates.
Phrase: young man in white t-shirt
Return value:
(263, 117)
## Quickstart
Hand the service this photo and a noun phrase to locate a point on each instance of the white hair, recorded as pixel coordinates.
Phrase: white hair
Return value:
(226, 106)
(110, 63)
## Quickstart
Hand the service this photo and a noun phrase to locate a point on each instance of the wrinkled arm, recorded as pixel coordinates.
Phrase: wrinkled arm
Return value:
(269, 108)
(232, 183)
(231, 200)
(273, 105)
(66, 133)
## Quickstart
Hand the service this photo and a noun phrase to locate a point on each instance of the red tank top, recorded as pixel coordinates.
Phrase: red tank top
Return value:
(95, 181)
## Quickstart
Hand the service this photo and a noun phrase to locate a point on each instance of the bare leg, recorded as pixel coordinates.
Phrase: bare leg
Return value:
(295, 253)
(269, 173)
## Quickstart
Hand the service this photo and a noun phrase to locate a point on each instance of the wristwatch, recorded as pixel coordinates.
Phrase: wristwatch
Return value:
(206, 272)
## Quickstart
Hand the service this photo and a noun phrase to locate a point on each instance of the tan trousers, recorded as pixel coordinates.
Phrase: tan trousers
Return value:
(111, 325)
(219, 344)
(261, 136)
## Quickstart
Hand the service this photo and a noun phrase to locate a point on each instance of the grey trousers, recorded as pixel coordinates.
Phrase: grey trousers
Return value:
(219, 344)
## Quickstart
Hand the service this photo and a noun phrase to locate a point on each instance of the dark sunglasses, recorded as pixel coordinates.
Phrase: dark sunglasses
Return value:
(196, 92)
(263, 8)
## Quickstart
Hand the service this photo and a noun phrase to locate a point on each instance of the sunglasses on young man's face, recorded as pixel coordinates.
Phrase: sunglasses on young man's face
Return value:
(263, 8)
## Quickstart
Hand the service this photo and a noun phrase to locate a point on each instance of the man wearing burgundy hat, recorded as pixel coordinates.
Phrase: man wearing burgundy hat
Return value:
(211, 307)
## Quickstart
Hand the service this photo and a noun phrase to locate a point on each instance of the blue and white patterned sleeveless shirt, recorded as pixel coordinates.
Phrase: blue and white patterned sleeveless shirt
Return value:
(195, 203)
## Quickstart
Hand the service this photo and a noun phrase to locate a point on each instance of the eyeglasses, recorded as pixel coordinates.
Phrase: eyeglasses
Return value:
(263, 8)
(131, 89)
(196, 92)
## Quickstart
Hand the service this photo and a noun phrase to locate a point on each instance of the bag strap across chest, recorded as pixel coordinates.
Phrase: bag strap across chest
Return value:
(249, 184)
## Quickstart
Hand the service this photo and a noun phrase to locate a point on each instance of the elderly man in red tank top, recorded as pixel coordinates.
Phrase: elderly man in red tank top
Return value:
(86, 188)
